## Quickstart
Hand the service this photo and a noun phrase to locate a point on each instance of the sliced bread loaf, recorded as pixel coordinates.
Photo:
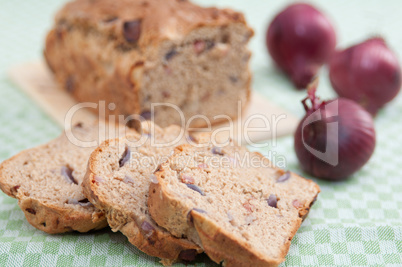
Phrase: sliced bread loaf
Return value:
(167, 52)
(117, 182)
(46, 180)
(231, 202)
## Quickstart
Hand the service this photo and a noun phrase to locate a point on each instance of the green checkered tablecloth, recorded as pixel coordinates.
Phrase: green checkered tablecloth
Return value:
(356, 222)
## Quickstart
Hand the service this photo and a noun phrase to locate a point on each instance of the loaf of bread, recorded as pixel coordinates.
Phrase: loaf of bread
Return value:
(117, 182)
(233, 203)
(46, 180)
(137, 52)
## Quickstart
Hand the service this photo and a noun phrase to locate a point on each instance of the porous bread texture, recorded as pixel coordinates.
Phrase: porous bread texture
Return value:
(46, 180)
(134, 53)
(117, 182)
(233, 203)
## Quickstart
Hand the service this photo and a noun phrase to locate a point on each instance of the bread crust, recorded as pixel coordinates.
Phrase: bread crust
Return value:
(54, 220)
(160, 244)
(217, 242)
(160, 20)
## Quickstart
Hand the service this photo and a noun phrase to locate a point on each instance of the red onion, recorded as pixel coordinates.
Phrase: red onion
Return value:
(368, 73)
(300, 39)
(335, 138)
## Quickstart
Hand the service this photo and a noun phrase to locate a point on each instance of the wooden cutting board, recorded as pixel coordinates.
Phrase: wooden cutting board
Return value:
(261, 121)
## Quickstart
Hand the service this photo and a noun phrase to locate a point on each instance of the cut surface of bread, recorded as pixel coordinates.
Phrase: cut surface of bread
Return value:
(117, 182)
(46, 180)
(233, 203)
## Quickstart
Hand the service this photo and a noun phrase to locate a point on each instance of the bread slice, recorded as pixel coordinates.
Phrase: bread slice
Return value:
(117, 182)
(46, 180)
(233, 203)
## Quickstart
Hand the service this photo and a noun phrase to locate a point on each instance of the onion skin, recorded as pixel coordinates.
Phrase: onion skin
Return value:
(300, 39)
(355, 142)
(368, 73)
